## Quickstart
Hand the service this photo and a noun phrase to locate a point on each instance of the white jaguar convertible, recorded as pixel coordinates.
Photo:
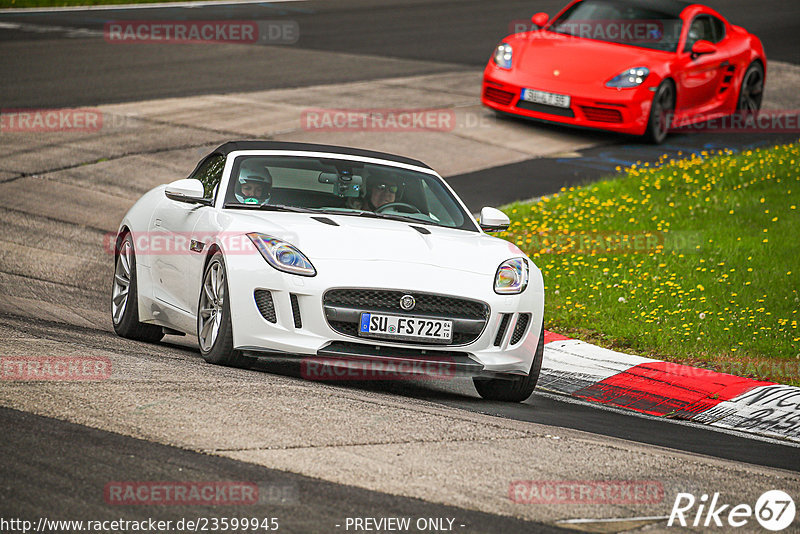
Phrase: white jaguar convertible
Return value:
(297, 251)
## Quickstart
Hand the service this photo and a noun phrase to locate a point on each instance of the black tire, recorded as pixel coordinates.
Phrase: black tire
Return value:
(220, 351)
(751, 92)
(516, 389)
(126, 320)
(661, 113)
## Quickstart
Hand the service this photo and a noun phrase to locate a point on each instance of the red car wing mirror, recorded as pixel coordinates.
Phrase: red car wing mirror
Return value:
(703, 47)
(540, 19)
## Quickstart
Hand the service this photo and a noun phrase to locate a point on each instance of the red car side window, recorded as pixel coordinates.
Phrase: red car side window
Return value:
(700, 29)
(719, 29)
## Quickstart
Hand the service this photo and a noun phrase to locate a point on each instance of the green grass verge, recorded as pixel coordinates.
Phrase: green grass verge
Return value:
(693, 261)
(4, 4)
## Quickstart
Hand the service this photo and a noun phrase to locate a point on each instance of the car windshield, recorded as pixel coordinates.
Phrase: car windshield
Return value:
(621, 21)
(346, 187)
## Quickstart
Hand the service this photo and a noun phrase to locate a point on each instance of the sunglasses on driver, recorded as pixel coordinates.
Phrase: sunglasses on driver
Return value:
(392, 188)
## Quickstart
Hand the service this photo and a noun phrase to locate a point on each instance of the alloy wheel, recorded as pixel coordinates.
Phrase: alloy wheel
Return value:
(212, 299)
(122, 282)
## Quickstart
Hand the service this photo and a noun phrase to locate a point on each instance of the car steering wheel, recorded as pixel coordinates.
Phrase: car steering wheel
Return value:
(407, 208)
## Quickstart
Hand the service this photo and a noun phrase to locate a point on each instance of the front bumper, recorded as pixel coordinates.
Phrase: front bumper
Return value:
(298, 323)
(626, 111)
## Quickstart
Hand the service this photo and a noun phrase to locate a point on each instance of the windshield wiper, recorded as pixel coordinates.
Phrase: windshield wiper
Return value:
(395, 217)
(273, 207)
(404, 218)
(284, 207)
(352, 213)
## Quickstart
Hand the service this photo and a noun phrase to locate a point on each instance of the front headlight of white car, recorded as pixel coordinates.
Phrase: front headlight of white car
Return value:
(633, 77)
(282, 255)
(511, 277)
(503, 55)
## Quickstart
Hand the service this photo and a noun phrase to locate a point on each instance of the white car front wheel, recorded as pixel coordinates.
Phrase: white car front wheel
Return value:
(214, 329)
(515, 389)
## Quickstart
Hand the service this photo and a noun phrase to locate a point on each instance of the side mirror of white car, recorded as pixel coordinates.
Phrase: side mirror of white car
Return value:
(186, 190)
(494, 220)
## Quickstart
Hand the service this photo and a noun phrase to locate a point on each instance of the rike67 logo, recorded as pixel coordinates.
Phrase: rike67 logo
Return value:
(774, 510)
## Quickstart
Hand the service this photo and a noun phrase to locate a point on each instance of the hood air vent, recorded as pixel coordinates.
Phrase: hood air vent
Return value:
(325, 220)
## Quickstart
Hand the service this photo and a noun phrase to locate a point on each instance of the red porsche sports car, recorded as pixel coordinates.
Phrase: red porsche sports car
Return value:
(630, 66)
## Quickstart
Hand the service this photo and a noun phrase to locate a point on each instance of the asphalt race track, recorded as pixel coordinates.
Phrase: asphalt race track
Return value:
(320, 452)
(102, 456)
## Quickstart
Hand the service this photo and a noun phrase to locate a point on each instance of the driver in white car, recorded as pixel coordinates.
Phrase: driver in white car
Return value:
(381, 189)
(254, 184)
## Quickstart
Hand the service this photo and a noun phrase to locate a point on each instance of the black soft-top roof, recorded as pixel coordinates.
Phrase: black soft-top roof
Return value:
(233, 146)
